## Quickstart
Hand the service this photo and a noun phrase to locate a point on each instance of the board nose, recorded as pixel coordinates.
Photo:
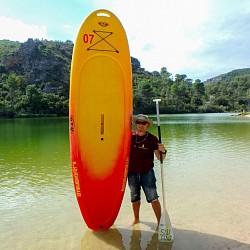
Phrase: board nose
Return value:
(104, 13)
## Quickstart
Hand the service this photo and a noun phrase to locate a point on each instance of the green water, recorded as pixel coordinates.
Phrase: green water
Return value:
(33, 159)
(207, 184)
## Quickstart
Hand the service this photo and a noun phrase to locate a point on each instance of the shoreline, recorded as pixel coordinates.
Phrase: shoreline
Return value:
(243, 114)
(247, 115)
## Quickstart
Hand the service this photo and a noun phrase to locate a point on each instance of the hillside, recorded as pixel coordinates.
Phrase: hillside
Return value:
(35, 75)
(7, 47)
(40, 62)
(228, 76)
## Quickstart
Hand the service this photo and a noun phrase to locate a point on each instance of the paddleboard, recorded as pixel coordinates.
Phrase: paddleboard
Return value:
(100, 113)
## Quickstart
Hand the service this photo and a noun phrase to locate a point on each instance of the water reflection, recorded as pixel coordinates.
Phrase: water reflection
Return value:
(147, 239)
(114, 239)
(111, 239)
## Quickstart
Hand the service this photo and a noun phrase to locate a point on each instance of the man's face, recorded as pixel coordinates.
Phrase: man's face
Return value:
(141, 126)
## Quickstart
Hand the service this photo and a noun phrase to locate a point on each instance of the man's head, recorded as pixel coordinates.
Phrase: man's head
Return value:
(142, 120)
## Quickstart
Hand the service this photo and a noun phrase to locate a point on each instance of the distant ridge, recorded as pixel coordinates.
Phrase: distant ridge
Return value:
(35, 75)
(228, 76)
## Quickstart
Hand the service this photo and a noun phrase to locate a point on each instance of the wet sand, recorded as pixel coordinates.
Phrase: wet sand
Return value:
(204, 217)
(192, 233)
(50, 228)
(140, 239)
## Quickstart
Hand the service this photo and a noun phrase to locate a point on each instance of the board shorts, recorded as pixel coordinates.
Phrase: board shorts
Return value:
(148, 183)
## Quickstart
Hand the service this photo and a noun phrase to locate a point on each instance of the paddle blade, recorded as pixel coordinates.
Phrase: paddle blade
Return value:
(165, 231)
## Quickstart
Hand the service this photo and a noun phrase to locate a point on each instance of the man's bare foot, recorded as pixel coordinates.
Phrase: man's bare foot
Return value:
(135, 221)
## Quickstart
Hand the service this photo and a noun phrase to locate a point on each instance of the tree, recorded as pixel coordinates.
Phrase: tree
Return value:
(32, 99)
(13, 84)
(179, 78)
(198, 93)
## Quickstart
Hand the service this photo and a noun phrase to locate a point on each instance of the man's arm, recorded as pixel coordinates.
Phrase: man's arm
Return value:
(162, 149)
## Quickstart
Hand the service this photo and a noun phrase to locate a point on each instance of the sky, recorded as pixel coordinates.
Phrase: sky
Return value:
(199, 38)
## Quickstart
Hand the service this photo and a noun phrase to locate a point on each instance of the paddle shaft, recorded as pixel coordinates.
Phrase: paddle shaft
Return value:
(161, 160)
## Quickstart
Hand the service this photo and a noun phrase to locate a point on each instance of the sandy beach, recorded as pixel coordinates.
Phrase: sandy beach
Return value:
(244, 115)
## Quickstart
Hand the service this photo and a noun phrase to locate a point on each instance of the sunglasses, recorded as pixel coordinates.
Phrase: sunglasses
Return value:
(143, 123)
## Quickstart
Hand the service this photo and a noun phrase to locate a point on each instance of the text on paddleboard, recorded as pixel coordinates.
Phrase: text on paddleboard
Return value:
(88, 38)
(76, 179)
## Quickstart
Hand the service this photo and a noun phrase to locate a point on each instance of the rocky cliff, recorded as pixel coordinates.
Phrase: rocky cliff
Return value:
(44, 63)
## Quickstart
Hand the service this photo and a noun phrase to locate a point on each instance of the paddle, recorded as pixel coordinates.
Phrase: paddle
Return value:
(165, 230)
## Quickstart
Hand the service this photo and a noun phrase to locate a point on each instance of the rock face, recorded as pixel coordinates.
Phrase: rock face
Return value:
(44, 63)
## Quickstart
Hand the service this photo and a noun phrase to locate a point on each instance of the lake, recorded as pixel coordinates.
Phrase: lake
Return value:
(207, 174)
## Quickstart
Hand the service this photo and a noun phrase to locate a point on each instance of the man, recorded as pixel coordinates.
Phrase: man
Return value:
(144, 146)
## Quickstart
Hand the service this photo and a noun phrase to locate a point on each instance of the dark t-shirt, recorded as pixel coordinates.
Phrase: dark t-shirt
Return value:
(142, 153)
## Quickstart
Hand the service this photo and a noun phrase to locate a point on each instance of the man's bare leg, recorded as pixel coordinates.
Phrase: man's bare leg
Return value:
(157, 210)
(136, 210)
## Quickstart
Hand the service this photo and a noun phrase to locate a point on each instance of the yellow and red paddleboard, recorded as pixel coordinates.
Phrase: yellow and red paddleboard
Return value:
(100, 117)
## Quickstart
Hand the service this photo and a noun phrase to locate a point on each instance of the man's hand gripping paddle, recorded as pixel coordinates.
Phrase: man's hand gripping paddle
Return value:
(165, 230)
